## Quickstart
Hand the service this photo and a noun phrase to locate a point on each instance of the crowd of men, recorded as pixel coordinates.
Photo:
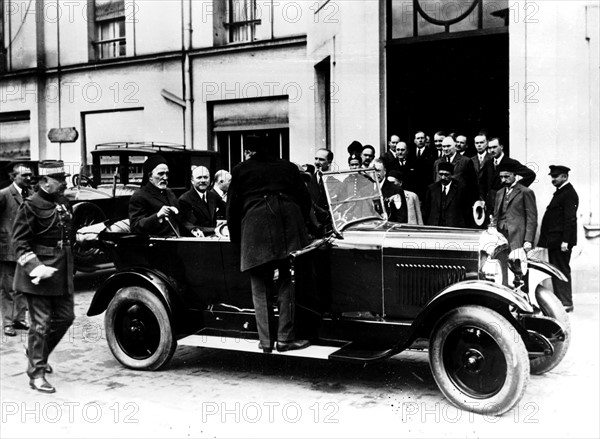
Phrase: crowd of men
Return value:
(271, 207)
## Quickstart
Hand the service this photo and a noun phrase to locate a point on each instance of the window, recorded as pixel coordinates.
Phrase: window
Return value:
(231, 144)
(14, 135)
(109, 19)
(241, 20)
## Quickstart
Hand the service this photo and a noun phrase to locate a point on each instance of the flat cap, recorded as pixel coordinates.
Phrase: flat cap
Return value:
(558, 169)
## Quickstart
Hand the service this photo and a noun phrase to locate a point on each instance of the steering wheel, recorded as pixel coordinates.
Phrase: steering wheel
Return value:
(82, 180)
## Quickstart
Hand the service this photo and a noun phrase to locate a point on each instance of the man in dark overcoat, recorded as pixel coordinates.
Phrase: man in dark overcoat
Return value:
(316, 187)
(446, 202)
(267, 209)
(200, 207)
(559, 231)
(515, 209)
(12, 303)
(42, 238)
(154, 209)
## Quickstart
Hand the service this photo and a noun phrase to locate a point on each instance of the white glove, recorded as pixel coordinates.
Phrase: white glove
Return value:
(41, 272)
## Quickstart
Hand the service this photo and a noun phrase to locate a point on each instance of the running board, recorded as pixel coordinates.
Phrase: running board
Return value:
(247, 345)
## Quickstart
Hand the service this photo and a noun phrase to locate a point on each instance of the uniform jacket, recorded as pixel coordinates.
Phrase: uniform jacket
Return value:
(10, 200)
(144, 204)
(196, 213)
(42, 234)
(457, 210)
(521, 215)
(560, 219)
(268, 205)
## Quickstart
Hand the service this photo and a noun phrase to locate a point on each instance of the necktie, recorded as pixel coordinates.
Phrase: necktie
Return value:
(419, 152)
(24, 193)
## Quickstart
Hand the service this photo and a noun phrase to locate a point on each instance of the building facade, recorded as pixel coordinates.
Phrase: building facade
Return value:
(304, 75)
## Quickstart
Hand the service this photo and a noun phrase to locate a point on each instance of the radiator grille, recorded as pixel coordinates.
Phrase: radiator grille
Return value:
(419, 283)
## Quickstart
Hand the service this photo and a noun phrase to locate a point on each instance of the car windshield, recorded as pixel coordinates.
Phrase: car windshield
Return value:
(353, 196)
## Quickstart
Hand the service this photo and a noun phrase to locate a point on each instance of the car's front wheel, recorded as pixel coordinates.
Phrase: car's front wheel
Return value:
(478, 360)
(552, 307)
(138, 329)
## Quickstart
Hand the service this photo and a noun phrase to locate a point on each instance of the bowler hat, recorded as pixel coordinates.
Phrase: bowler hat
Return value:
(558, 169)
(52, 168)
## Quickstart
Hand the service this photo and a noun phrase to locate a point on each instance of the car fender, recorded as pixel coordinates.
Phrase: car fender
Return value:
(469, 292)
(154, 281)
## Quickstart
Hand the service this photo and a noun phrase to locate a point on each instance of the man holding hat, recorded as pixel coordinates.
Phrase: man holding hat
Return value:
(42, 238)
(515, 210)
(446, 202)
(12, 303)
(402, 206)
(154, 208)
(559, 231)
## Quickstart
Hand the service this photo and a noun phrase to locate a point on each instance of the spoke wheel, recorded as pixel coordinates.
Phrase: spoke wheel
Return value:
(478, 360)
(138, 329)
(86, 255)
(552, 307)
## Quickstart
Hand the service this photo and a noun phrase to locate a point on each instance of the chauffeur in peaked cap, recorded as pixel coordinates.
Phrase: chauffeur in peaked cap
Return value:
(42, 238)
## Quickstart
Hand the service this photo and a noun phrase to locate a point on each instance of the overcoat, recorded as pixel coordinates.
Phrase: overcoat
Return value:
(521, 215)
(10, 200)
(490, 180)
(268, 205)
(144, 204)
(42, 234)
(559, 223)
(456, 212)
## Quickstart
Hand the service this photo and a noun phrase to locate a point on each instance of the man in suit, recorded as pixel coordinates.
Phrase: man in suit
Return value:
(463, 147)
(316, 188)
(199, 206)
(464, 172)
(12, 303)
(559, 231)
(153, 209)
(367, 155)
(438, 138)
(268, 207)
(220, 187)
(42, 238)
(490, 180)
(515, 210)
(402, 206)
(421, 165)
(390, 155)
(446, 202)
(481, 156)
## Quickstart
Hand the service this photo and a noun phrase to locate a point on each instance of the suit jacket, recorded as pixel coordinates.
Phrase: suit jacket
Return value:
(10, 200)
(419, 175)
(267, 209)
(464, 171)
(42, 234)
(144, 204)
(221, 213)
(413, 206)
(196, 213)
(479, 168)
(521, 215)
(559, 223)
(390, 161)
(456, 212)
(490, 180)
(319, 202)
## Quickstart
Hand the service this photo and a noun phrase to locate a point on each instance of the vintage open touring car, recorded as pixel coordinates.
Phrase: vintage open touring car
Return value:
(367, 292)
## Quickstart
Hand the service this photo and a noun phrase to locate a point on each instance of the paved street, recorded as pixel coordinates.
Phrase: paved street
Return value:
(213, 393)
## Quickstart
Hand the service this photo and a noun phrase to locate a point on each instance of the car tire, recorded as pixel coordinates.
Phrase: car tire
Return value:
(478, 360)
(138, 329)
(552, 307)
(86, 256)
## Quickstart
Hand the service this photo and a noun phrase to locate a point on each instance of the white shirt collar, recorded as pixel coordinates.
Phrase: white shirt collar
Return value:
(219, 191)
(18, 188)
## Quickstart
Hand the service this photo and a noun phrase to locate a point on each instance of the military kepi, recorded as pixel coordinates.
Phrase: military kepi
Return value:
(52, 168)
(558, 169)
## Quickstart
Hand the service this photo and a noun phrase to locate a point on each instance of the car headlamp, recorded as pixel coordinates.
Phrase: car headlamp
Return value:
(491, 269)
(517, 262)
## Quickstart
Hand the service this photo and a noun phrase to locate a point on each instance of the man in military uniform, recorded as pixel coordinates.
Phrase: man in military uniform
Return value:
(559, 231)
(12, 303)
(44, 274)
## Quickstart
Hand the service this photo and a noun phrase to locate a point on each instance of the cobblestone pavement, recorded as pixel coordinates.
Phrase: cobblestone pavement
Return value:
(213, 393)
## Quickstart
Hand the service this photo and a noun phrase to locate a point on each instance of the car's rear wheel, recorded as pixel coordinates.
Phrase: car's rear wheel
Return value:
(478, 360)
(552, 307)
(138, 329)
